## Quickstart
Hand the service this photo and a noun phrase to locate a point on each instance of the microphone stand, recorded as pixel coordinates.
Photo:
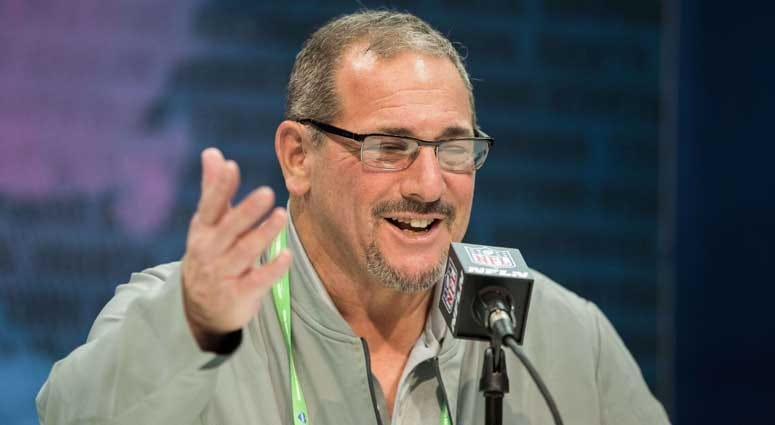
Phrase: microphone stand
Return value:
(494, 382)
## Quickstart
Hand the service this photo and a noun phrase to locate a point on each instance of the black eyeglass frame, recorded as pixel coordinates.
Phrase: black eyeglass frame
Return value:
(328, 128)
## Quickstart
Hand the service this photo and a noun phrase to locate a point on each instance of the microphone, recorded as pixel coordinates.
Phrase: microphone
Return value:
(485, 292)
(485, 295)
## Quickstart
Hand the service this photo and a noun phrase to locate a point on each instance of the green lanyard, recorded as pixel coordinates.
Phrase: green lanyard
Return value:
(281, 292)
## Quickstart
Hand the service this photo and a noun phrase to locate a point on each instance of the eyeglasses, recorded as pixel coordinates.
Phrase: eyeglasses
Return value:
(391, 152)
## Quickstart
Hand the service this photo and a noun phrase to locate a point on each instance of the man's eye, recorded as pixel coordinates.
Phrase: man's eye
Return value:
(456, 148)
(393, 146)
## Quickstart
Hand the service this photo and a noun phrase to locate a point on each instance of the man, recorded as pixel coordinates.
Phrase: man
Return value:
(379, 151)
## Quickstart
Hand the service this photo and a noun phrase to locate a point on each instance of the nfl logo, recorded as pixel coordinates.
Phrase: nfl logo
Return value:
(449, 290)
(490, 257)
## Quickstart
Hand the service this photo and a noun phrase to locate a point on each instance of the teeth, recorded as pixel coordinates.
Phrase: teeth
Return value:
(418, 223)
(421, 224)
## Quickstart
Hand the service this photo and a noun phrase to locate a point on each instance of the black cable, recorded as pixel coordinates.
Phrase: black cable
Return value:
(500, 323)
(512, 343)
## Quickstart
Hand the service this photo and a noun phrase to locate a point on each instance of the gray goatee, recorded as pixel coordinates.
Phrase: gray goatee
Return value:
(392, 278)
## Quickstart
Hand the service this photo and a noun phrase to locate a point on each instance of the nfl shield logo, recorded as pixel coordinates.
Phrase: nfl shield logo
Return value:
(490, 257)
(449, 290)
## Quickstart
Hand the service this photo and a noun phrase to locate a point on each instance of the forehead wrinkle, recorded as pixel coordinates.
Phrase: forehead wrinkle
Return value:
(381, 100)
(394, 101)
(459, 125)
(390, 97)
(419, 96)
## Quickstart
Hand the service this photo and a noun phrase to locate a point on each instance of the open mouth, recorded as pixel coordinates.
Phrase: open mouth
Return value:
(413, 225)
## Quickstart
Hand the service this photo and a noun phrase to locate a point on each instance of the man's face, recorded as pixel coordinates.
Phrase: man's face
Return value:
(394, 227)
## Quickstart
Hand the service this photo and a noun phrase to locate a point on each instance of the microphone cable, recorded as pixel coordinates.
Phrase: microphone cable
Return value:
(511, 342)
(503, 330)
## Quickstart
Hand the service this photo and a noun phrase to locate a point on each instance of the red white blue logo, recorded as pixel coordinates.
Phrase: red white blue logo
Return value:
(449, 289)
(491, 257)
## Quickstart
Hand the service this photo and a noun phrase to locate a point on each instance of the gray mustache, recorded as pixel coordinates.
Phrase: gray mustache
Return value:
(408, 206)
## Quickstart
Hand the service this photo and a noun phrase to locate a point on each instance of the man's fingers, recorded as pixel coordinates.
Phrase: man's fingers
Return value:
(211, 157)
(241, 218)
(231, 185)
(213, 167)
(243, 254)
(220, 179)
(260, 279)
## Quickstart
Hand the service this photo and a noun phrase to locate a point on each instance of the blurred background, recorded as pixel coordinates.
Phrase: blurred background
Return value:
(633, 164)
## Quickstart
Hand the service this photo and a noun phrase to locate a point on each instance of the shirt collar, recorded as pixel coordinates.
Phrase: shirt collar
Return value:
(304, 266)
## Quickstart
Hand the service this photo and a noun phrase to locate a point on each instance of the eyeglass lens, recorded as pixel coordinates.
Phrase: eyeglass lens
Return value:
(397, 153)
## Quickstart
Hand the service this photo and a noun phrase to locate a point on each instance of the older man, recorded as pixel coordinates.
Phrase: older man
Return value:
(379, 151)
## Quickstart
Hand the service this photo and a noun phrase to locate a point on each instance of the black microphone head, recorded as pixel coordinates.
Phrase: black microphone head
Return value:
(476, 270)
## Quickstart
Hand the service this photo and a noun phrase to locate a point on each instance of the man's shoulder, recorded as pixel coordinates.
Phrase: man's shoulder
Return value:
(552, 304)
(158, 273)
(150, 279)
(546, 290)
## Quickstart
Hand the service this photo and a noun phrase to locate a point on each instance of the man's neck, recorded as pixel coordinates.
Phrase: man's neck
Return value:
(390, 321)
(386, 318)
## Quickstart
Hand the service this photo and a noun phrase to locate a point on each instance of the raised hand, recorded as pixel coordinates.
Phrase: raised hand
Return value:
(222, 284)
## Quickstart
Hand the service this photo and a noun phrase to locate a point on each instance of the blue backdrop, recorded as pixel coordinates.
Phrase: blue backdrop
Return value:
(724, 214)
(106, 106)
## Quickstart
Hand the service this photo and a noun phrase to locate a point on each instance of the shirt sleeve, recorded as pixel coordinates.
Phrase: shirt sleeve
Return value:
(139, 365)
(624, 396)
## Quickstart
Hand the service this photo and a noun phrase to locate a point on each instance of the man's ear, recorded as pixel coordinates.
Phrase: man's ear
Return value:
(291, 152)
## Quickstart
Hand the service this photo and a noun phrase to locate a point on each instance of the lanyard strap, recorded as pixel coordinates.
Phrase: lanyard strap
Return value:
(281, 292)
(445, 419)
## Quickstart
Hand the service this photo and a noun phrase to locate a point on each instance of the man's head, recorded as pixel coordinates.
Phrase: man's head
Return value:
(311, 87)
(377, 72)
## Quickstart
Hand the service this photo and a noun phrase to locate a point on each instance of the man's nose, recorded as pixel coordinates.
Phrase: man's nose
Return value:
(423, 180)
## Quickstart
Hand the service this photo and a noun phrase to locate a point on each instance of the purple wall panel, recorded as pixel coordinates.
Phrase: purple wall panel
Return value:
(76, 79)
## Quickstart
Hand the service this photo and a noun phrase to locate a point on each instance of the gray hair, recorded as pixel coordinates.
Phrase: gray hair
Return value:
(312, 88)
